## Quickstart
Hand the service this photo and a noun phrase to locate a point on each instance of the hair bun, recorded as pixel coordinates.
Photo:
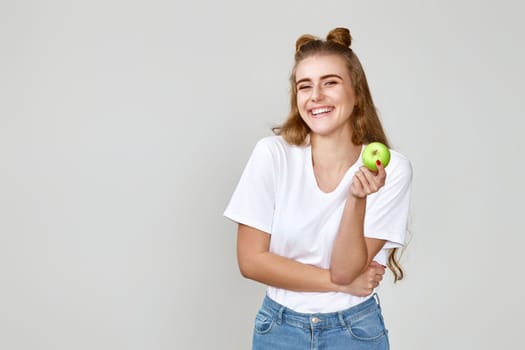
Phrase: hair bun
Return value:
(303, 40)
(340, 36)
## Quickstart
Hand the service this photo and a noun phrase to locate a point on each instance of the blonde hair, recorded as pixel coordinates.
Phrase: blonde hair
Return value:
(364, 121)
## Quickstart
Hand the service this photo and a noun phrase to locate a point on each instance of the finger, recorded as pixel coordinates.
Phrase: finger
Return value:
(356, 182)
(381, 172)
(357, 188)
(364, 181)
(378, 277)
(373, 285)
(374, 263)
(373, 181)
(378, 268)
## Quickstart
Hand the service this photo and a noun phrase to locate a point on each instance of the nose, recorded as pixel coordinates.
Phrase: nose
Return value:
(317, 94)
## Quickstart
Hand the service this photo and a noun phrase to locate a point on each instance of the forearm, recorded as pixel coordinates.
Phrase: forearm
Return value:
(350, 254)
(285, 273)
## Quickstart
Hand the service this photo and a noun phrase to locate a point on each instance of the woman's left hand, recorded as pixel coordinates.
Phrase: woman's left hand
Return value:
(369, 280)
(366, 182)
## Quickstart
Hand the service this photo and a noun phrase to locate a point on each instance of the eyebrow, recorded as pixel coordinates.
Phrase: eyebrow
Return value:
(322, 78)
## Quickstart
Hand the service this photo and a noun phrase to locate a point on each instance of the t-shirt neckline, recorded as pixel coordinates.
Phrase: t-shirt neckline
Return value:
(348, 174)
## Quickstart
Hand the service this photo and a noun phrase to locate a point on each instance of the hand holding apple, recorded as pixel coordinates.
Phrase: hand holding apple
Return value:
(366, 181)
(373, 152)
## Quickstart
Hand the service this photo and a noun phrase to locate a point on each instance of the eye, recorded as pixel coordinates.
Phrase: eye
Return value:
(303, 87)
(331, 83)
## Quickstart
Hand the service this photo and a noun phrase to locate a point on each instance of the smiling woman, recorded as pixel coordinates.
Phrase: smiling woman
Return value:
(314, 224)
(325, 96)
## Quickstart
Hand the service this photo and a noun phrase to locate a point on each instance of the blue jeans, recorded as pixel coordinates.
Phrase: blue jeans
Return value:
(358, 328)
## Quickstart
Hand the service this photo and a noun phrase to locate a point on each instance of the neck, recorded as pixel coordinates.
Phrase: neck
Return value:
(336, 152)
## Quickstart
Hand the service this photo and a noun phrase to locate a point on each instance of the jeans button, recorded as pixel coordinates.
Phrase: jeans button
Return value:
(315, 320)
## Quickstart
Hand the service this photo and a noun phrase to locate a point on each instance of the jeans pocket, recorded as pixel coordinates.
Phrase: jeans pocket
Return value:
(263, 322)
(369, 326)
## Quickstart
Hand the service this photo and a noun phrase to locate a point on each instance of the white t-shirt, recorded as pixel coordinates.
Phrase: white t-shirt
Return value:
(278, 194)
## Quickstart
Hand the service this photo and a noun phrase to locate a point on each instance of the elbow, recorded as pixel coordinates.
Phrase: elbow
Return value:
(246, 268)
(245, 272)
(345, 275)
(341, 278)
(250, 264)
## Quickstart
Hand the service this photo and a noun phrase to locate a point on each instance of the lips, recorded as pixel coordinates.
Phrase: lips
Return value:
(319, 112)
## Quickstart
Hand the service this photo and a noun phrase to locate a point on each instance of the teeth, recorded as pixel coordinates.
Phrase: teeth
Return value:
(317, 111)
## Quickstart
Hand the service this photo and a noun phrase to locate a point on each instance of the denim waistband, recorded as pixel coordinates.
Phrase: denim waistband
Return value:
(320, 320)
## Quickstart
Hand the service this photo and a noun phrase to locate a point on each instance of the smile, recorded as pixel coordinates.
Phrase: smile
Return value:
(317, 112)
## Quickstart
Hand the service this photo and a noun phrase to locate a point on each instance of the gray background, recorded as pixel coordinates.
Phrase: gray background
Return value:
(125, 125)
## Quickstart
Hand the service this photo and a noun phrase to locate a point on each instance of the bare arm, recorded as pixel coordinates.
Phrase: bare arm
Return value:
(257, 263)
(352, 252)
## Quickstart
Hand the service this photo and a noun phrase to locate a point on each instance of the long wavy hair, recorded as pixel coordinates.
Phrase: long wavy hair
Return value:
(365, 123)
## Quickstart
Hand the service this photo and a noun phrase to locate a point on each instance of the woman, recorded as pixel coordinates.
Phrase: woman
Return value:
(314, 225)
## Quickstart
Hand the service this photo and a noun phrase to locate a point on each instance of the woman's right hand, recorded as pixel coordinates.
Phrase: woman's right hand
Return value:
(365, 283)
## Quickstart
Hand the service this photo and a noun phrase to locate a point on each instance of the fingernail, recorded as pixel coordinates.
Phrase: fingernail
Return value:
(378, 162)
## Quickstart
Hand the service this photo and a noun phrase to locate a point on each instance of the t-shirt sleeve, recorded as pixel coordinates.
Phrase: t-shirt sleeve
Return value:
(253, 200)
(387, 211)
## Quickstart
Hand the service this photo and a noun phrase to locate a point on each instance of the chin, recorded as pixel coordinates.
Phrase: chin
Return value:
(323, 133)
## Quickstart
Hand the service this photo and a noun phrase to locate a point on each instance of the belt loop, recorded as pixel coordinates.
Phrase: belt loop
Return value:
(376, 297)
(280, 315)
(342, 319)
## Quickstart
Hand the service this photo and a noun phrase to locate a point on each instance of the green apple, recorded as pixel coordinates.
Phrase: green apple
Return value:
(374, 151)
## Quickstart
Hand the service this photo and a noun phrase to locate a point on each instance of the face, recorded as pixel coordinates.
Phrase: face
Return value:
(325, 96)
